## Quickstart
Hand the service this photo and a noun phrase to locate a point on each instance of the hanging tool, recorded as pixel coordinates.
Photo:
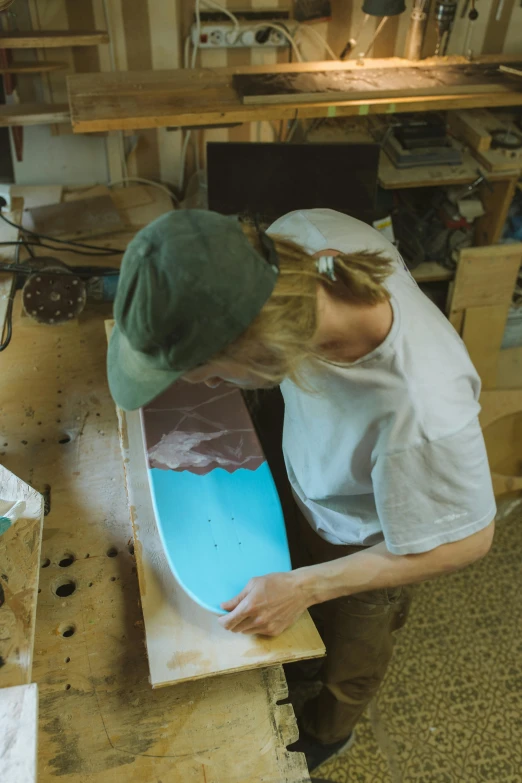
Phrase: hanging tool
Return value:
(445, 11)
(381, 8)
(472, 17)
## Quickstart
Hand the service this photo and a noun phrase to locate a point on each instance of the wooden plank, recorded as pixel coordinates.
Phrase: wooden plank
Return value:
(512, 71)
(37, 195)
(38, 66)
(486, 276)
(496, 197)
(344, 85)
(456, 319)
(33, 114)
(100, 721)
(81, 16)
(392, 178)
(510, 368)
(20, 566)
(185, 642)
(471, 127)
(482, 334)
(79, 218)
(501, 417)
(52, 39)
(18, 733)
(431, 271)
(121, 101)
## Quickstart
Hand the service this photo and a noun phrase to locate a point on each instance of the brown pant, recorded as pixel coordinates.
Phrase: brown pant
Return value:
(358, 634)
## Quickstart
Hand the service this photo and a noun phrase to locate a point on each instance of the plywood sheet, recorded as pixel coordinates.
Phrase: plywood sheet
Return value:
(18, 733)
(482, 334)
(358, 85)
(486, 276)
(52, 39)
(20, 566)
(84, 217)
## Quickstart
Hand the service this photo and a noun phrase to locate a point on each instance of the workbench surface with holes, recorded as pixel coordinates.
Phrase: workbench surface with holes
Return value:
(99, 719)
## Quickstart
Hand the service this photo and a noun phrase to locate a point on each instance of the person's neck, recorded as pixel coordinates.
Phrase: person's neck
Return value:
(348, 331)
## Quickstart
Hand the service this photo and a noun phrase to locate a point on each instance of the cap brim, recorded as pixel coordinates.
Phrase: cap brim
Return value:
(133, 380)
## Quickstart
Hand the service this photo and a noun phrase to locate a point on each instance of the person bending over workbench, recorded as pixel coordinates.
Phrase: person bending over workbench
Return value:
(381, 440)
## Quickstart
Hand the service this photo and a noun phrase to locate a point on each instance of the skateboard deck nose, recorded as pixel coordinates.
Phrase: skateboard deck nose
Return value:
(216, 505)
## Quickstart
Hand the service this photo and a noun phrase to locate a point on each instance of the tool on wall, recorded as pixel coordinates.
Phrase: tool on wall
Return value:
(417, 29)
(472, 15)
(445, 11)
(380, 8)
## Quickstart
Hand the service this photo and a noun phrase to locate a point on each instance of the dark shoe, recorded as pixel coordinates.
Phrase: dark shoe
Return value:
(316, 753)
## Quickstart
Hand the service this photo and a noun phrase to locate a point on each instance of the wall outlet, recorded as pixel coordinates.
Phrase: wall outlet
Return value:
(221, 35)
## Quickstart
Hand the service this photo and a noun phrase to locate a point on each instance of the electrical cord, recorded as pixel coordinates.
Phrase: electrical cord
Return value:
(305, 28)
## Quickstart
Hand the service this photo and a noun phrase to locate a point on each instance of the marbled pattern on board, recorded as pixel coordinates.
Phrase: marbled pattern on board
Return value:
(191, 427)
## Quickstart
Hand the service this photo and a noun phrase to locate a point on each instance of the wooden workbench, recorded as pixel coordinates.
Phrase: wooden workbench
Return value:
(99, 719)
(205, 97)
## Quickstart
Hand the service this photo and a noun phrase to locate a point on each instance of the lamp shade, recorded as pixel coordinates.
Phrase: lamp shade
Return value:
(383, 7)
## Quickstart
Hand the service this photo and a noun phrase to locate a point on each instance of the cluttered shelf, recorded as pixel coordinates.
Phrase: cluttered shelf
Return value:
(393, 178)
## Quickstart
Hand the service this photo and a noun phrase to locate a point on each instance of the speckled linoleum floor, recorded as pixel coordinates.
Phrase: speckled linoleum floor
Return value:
(450, 709)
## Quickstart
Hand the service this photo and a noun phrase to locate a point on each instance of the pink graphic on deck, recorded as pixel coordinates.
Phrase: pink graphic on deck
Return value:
(191, 427)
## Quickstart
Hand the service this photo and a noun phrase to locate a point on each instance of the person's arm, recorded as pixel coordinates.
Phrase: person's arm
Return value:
(270, 604)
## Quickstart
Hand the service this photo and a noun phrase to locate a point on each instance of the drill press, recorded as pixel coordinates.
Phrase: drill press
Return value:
(445, 11)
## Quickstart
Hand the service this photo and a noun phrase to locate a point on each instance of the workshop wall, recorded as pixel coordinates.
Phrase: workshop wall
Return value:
(149, 34)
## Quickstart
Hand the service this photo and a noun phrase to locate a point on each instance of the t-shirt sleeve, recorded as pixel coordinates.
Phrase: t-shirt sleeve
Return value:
(434, 493)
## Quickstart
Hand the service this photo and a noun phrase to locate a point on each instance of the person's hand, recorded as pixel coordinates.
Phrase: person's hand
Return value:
(268, 605)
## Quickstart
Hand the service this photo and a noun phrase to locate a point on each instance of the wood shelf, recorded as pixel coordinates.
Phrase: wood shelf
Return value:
(52, 39)
(431, 272)
(206, 97)
(392, 178)
(33, 114)
(39, 66)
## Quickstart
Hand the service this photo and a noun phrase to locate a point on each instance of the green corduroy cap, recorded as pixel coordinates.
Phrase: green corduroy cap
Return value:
(190, 284)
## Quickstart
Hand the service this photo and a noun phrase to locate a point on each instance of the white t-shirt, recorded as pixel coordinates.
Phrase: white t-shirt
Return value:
(388, 447)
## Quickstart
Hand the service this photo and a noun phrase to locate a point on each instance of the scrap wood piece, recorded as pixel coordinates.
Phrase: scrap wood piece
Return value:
(52, 39)
(18, 733)
(368, 83)
(184, 641)
(84, 217)
(486, 276)
(501, 419)
(20, 566)
(510, 70)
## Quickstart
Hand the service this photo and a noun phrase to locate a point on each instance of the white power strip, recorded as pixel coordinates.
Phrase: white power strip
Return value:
(220, 35)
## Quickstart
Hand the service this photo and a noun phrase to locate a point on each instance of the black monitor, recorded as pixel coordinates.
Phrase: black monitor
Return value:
(270, 179)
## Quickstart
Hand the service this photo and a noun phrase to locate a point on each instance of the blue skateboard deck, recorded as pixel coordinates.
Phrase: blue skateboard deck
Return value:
(216, 505)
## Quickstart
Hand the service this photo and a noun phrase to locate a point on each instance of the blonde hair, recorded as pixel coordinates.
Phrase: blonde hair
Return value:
(279, 342)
